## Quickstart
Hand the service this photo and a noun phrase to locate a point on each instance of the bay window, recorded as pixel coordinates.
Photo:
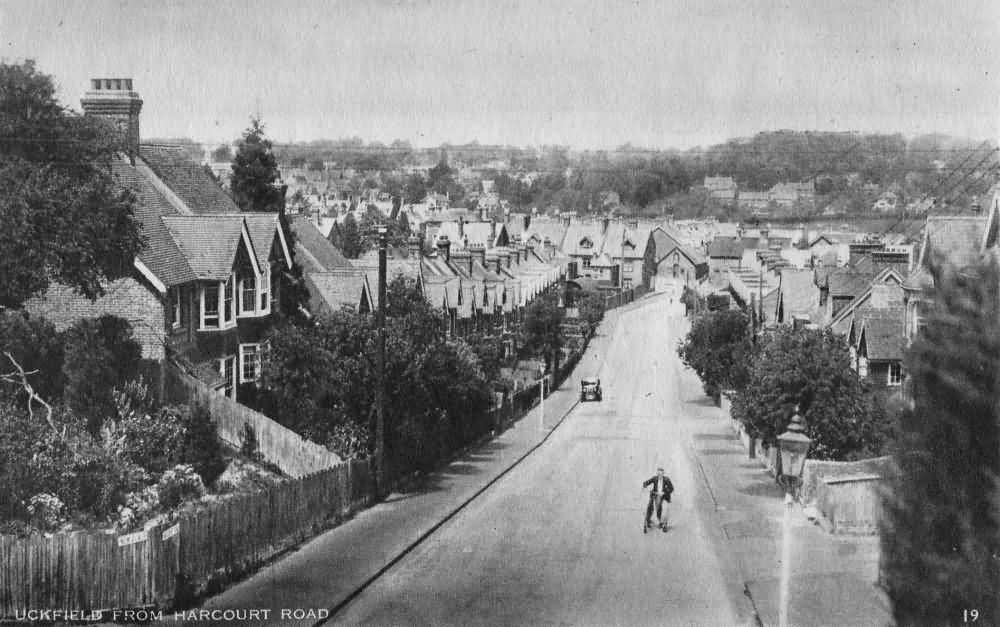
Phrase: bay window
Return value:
(248, 296)
(264, 289)
(176, 307)
(218, 304)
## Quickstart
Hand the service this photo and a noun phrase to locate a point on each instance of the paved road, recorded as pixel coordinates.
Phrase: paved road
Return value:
(558, 541)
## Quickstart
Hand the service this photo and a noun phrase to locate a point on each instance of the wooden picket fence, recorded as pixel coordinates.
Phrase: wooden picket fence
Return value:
(158, 566)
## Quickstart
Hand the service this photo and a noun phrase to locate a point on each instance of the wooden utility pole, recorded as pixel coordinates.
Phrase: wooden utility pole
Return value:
(380, 480)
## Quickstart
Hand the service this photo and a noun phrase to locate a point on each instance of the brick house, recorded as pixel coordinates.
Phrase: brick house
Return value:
(204, 290)
(724, 253)
(666, 259)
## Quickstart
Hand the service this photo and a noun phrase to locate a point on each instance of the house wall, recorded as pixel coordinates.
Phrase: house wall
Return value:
(685, 271)
(126, 298)
(717, 267)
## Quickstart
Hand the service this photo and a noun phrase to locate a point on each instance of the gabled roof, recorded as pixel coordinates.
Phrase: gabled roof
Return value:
(187, 179)
(333, 290)
(725, 248)
(577, 234)
(314, 252)
(265, 229)
(955, 240)
(666, 243)
(798, 294)
(882, 336)
(846, 283)
(210, 243)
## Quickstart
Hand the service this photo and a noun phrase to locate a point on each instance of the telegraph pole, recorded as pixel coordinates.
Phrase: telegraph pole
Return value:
(380, 481)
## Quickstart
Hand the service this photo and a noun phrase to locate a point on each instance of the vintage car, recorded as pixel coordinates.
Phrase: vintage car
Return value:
(590, 389)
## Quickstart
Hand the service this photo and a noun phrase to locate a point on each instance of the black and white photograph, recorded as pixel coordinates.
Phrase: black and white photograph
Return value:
(409, 312)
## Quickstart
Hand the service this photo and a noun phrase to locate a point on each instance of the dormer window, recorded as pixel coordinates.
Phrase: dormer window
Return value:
(586, 243)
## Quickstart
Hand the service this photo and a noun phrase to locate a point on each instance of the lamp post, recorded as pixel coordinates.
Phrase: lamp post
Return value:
(793, 445)
(541, 398)
(380, 485)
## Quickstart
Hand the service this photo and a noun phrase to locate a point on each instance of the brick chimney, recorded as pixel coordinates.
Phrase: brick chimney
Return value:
(461, 227)
(444, 248)
(413, 246)
(113, 98)
(478, 253)
(493, 232)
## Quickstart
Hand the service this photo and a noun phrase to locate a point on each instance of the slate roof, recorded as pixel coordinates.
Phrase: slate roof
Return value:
(576, 233)
(263, 229)
(956, 239)
(639, 237)
(843, 282)
(313, 251)
(664, 243)
(799, 294)
(883, 335)
(333, 290)
(725, 248)
(208, 243)
(187, 179)
(160, 254)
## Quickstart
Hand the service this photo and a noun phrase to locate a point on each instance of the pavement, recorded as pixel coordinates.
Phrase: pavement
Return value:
(541, 526)
(832, 576)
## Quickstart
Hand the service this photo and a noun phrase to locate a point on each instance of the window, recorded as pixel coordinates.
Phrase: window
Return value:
(895, 374)
(210, 306)
(586, 243)
(248, 296)
(264, 289)
(586, 262)
(229, 301)
(177, 307)
(629, 267)
(627, 284)
(227, 368)
(249, 362)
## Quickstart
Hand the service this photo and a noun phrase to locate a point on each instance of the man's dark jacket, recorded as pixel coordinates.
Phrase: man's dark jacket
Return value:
(667, 486)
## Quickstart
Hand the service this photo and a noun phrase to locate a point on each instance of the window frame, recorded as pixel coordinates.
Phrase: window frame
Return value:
(229, 388)
(897, 380)
(254, 349)
(245, 286)
(264, 290)
(203, 300)
(176, 307)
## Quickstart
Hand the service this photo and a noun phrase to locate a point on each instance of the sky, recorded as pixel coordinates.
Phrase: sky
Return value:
(583, 73)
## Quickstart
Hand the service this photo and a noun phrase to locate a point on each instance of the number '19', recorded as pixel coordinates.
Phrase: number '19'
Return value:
(970, 616)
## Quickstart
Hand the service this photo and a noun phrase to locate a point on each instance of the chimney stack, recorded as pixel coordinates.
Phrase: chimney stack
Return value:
(478, 252)
(444, 248)
(113, 98)
(413, 246)
(461, 227)
(493, 232)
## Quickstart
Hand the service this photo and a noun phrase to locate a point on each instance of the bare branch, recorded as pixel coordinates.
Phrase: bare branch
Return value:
(21, 378)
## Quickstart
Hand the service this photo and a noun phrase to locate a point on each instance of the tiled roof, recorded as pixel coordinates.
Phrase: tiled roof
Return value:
(333, 290)
(209, 243)
(883, 335)
(665, 242)
(160, 254)
(320, 255)
(577, 233)
(187, 179)
(799, 294)
(955, 239)
(263, 229)
(725, 248)
(843, 282)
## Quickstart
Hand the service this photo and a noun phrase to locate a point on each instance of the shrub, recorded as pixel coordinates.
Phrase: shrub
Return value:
(201, 446)
(47, 512)
(180, 483)
(100, 355)
(36, 345)
(138, 507)
(249, 447)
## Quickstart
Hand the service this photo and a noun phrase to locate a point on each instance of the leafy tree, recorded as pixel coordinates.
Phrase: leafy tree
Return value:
(591, 308)
(36, 345)
(298, 162)
(100, 355)
(352, 243)
(543, 330)
(222, 154)
(811, 369)
(718, 348)
(317, 165)
(415, 189)
(941, 532)
(64, 216)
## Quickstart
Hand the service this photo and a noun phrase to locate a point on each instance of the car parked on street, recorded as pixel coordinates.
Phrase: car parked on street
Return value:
(590, 389)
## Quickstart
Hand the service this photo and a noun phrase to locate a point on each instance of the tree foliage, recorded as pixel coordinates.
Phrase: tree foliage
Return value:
(254, 182)
(811, 369)
(320, 380)
(719, 349)
(223, 153)
(941, 533)
(543, 329)
(64, 216)
(100, 355)
(352, 244)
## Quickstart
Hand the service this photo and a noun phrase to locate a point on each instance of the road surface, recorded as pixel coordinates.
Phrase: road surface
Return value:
(558, 540)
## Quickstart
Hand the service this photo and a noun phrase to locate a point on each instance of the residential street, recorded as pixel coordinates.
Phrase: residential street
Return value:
(558, 540)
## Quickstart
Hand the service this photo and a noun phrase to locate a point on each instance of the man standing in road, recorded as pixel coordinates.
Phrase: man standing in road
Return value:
(662, 488)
